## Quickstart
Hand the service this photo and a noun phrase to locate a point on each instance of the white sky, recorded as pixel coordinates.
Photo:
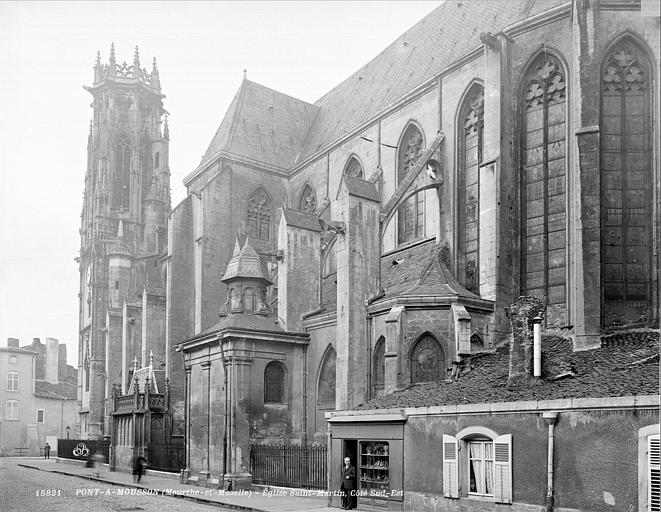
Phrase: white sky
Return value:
(47, 51)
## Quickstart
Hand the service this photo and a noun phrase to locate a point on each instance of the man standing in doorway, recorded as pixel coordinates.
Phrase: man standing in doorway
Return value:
(47, 451)
(348, 485)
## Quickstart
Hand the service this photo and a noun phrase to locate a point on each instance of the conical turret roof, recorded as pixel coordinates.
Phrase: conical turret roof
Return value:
(246, 263)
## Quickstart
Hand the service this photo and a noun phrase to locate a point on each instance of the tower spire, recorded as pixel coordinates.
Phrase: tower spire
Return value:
(112, 63)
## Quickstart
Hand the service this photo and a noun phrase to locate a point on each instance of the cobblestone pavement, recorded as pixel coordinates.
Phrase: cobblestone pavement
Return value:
(26, 490)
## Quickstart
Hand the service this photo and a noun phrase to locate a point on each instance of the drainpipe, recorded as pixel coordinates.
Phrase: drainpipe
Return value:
(537, 346)
(305, 395)
(550, 418)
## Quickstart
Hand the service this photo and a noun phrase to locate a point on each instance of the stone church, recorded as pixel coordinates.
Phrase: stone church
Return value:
(330, 253)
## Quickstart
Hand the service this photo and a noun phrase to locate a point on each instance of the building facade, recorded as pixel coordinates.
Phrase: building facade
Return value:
(496, 149)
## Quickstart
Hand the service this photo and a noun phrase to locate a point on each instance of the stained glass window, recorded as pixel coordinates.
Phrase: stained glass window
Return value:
(326, 385)
(379, 367)
(411, 215)
(259, 215)
(274, 383)
(354, 168)
(472, 128)
(626, 189)
(427, 361)
(544, 188)
(308, 201)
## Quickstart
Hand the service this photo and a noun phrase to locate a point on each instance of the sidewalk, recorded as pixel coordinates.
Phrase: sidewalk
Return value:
(256, 501)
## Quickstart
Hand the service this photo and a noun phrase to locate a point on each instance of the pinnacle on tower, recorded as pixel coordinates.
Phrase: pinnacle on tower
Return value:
(155, 76)
(166, 128)
(136, 62)
(112, 63)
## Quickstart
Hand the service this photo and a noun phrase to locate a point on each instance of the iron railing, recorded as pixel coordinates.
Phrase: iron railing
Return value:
(303, 467)
(82, 449)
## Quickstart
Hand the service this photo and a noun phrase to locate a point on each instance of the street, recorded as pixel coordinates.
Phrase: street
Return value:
(24, 489)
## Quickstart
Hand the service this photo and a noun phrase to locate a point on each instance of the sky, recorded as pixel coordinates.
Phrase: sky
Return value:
(47, 52)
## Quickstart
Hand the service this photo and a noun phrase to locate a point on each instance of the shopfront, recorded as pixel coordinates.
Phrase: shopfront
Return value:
(374, 443)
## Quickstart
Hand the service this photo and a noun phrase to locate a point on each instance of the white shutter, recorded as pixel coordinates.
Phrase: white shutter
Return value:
(654, 472)
(450, 467)
(502, 465)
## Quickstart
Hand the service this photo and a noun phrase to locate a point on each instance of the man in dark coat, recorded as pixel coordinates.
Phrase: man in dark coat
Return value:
(348, 485)
(47, 451)
(138, 468)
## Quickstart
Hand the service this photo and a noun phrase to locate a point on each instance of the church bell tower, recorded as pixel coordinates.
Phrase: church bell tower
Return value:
(123, 230)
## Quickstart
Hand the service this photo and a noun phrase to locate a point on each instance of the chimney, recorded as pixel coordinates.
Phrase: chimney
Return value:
(521, 314)
(12, 342)
(62, 362)
(52, 360)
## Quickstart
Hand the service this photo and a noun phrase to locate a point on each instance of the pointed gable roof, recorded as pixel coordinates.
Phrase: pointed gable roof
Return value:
(264, 125)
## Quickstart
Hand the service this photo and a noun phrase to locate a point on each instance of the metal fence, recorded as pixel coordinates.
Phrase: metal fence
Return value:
(82, 449)
(166, 457)
(302, 467)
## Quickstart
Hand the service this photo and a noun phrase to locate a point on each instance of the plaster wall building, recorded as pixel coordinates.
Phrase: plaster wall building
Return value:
(36, 409)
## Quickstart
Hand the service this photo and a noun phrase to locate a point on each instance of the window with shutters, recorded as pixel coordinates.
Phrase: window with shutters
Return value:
(11, 410)
(274, 383)
(544, 180)
(259, 215)
(470, 152)
(626, 191)
(477, 463)
(411, 215)
(654, 471)
(249, 300)
(40, 415)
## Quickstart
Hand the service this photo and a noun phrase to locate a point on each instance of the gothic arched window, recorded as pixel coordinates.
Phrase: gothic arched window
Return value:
(259, 215)
(326, 383)
(471, 128)
(427, 360)
(308, 201)
(121, 185)
(411, 215)
(354, 168)
(274, 383)
(543, 180)
(146, 164)
(249, 301)
(379, 364)
(626, 185)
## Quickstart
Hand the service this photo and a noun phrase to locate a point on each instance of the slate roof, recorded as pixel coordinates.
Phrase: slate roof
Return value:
(156, 380)
(263, 124)
(446, 34)
(245, 321)
(59, 391)
(274, 128)
(246, 264)
(417, 271)
(625, 365)
(301, 219)
(361, 188)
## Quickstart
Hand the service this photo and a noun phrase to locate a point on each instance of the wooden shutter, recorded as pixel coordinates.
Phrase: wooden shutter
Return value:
(654, 472)
(450, 467)
(503, 469)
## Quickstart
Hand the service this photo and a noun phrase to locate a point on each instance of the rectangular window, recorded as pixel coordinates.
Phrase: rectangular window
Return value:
(480, 468)
(12, 381)
(11, 410)
(654, 473)
(12, 360)
(40, 415)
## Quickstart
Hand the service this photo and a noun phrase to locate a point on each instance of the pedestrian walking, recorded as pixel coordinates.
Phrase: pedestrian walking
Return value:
(97, 460)
(47, 451)
(138, 468)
